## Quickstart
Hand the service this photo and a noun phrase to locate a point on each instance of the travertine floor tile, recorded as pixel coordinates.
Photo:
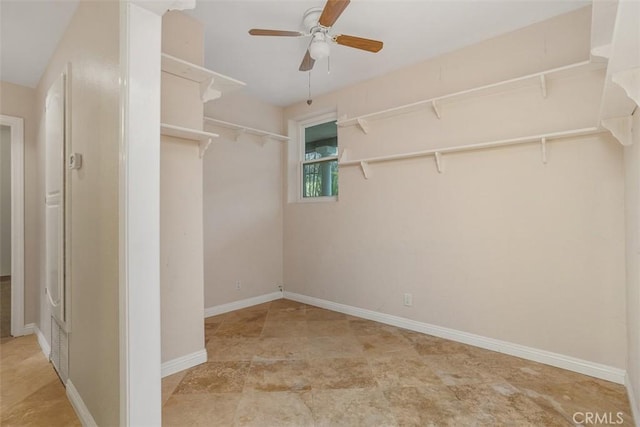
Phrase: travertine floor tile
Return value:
(403, 372)
(322, 314)
(282, 409)
(286, 363)
(386, 345)
(31, 393)
(48, 406)
(435, 405)
(459, 369)
(214, 377)
(334, 347)
(341, 373)
(296, 328)
(277, 348)
(195, 410)
(239, 329)
(278, 375)
(328, 328)
(350, 407)
(170, 383)
(235, 348)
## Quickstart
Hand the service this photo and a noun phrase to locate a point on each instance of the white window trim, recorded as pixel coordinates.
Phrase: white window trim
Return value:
(296, 157)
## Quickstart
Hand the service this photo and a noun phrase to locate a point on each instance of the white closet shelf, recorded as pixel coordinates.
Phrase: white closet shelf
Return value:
(212, 85)
(621, 94)
(203, 138)
(539, 79)
(242, 129)
(438, 152)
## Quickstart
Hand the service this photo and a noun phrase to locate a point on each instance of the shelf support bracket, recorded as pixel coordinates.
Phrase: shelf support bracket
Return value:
(363, 124)
(344, 156)
(204, 144)
(436, 110)
(239, 134)
(439, 164)
(207, 92)
(366, 171)
(543, 146)
(629, 80)
(603, 51)
(620, 128)
(543, 85)
(264, 140)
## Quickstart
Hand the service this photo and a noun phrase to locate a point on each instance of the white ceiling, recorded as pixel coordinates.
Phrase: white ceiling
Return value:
(412, 30)
(29, 34)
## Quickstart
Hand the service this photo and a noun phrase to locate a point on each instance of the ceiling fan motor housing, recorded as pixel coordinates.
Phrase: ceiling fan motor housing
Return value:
(310, 19)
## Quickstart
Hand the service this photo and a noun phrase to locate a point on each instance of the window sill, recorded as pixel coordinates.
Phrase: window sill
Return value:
(317, 199)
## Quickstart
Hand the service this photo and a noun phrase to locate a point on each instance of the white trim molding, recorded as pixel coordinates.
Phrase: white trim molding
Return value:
(139, 215)
(78, 405)
(16, 124)
(593, 369)
(633, 401)
(29, 328)
(237, 305)
(184, 362)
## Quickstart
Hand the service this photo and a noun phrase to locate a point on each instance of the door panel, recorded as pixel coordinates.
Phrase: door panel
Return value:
(54, 197)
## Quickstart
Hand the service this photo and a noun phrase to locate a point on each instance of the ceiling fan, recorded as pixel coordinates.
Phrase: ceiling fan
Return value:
(317, 23)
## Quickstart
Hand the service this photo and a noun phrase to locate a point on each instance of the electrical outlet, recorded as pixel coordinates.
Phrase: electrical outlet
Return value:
(238, 284)
(408, 300)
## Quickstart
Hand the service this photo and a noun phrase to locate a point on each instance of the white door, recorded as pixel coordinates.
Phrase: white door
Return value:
(54, 198)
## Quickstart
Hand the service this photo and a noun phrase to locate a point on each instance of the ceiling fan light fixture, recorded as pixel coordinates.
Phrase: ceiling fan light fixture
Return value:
(319, 47)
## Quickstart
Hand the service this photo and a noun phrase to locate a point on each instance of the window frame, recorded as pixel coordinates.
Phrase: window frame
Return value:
(301, 161)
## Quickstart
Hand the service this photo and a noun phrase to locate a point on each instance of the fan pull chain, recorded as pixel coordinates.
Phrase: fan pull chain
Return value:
(329, 64)
(309, 100)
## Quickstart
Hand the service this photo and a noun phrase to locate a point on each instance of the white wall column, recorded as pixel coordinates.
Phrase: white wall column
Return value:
(140, 383)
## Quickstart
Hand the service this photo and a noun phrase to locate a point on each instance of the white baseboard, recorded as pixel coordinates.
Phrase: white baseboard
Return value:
(78, 405)
(633, 402)
(184, 362)
(593, 369)
(28, 329)
(42, 341)
(244, 303)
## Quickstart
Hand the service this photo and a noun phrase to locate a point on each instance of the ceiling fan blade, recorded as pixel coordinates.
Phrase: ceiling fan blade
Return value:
(359, 43)
(280, 33)
(332, 11)
(307, 62)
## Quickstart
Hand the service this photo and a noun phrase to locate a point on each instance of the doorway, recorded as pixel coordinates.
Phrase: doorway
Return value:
(12, 226)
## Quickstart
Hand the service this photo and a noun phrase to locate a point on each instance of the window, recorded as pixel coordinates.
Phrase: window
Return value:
(319, 160)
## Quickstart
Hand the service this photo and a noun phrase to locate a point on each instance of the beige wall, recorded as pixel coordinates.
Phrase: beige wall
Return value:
(499, 245)
(91, 45)
(181, 229)
(242, 202)
(632, 183)
(19, 101)
(5, 200)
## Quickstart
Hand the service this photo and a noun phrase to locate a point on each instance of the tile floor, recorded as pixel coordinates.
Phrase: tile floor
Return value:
(285, 363)
(5, 306)
(31, 394)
